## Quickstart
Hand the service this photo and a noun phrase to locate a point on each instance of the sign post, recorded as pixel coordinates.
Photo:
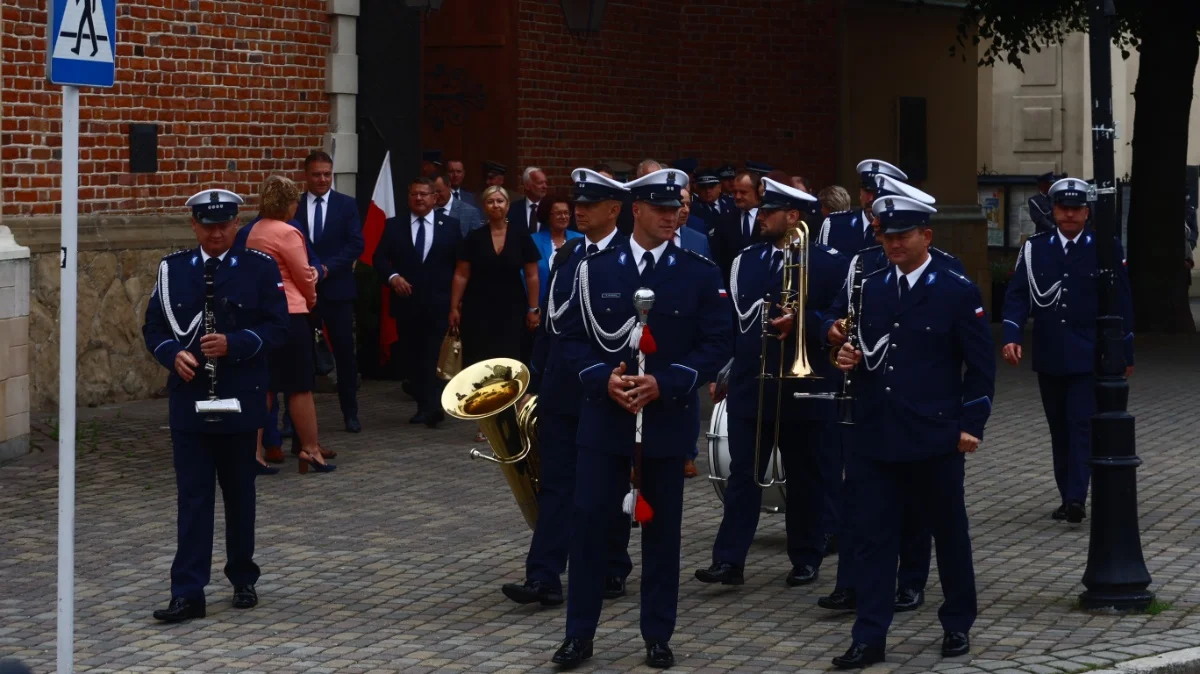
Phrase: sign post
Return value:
(81, 41)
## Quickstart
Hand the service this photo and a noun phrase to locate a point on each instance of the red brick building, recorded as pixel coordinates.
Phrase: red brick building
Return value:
(238, 90)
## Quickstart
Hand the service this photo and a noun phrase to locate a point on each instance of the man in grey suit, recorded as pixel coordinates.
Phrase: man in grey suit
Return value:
(457, 174)
(468, 216)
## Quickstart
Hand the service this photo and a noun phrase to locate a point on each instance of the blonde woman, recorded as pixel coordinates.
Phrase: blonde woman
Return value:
(292, 366)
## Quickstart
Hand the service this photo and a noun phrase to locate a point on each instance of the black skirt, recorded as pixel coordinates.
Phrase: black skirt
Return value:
(292, 365)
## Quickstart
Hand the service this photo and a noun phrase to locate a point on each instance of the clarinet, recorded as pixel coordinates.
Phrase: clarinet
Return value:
(210, 328)
(845, 399)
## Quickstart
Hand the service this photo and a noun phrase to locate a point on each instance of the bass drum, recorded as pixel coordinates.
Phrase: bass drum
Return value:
(774, 497)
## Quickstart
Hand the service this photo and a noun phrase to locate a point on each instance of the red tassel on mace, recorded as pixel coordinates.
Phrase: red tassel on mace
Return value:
(642, 512)
(647, 345)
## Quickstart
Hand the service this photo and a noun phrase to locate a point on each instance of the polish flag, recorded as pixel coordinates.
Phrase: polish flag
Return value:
(383, 206)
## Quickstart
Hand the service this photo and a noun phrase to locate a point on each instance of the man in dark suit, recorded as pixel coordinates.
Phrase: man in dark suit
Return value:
(730, 235)
(523, 212)
(416, 259)
(458, 193)
(330, 223)
(467, 215)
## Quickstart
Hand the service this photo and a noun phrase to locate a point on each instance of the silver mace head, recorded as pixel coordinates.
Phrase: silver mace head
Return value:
(643, 300)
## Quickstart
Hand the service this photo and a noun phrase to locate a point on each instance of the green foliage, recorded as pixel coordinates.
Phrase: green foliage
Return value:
(1158, 606)
(1016, 28)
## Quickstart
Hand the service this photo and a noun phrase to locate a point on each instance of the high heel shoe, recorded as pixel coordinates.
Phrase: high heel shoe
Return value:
(307, 461)
(325, 453)
(264, 469)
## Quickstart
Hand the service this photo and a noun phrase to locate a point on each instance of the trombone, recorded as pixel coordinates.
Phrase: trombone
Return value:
(792, 299)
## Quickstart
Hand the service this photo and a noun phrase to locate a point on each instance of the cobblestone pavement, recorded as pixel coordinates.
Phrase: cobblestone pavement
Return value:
(394, 562)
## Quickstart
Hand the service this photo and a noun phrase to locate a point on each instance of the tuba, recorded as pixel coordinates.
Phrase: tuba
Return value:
(793, 299)
(487, 392)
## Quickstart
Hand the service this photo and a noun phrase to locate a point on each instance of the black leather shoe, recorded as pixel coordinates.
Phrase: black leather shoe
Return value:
(858, 656)
(721, 572)
(831, 544)
(955, 644)
(908, 600)
(533, 591)
(1060, 513)
(801, 575)
(614, 586)
(659, 655)
(417, 418)
(179, 610)
(1075, 512)
(572, 653)
(432, 420)
(245, 597)
(839, 600)
(352, 425)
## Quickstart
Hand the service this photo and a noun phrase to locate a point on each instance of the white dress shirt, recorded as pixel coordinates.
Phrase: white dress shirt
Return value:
(914, 275)
(428, 232)
(867, 217)
(310, 204)
(1065, 240)
(602, 243)
(639, 253)
(753, 221)
(533, 221)
(205, 256)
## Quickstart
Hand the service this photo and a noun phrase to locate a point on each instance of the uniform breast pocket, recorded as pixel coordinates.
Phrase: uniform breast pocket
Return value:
(242, 307)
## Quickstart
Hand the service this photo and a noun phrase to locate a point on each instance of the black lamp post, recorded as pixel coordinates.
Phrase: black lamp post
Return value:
(1116, 575)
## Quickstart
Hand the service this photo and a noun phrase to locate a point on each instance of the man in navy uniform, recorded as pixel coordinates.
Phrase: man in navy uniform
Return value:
(416, 258)
(598, 201)
(805, 429)
(1040, 209)
(1056, 282)
(690, 322)
(923, 394)
(916, 547)
(244, 290)
(850, 231)
(329, 221)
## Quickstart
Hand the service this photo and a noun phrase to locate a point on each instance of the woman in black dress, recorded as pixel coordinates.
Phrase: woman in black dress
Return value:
(488, 302)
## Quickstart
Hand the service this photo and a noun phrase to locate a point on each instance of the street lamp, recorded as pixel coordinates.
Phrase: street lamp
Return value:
(1116, 575)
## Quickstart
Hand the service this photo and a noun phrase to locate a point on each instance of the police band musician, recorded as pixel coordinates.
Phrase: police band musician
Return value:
(217, 310)
(805, 425)
(690, 321)
(1057, 283)
(598, 203)
(924, 382)
(850, 231)
(916, 545)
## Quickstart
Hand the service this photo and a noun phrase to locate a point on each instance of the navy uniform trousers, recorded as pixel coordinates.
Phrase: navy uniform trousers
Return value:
(547, 558)
(801, 442)
(1069, 401)
(916, 544)
(936, 486)
(202, 461)
(338, 316)
(602, 482)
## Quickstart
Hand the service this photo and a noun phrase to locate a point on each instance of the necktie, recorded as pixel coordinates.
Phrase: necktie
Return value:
(318, 220)
(455, 193)
(1069, 247)
(592, 249)
(776, 261)
(746, 224)
(420, 240)
(648, 259)
(903, 287)
(716, 206)
(533, 223)
(210, 268)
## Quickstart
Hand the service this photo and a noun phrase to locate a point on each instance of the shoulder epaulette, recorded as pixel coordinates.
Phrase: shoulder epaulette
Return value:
(177, 253)
(261, 254)
(944, 254)
(1042, 233)
(698, 256)
(828, 249)
(601, 253)
(561, 255)
(877, 272)
(840, 212)
(752, 246)
(959, 277)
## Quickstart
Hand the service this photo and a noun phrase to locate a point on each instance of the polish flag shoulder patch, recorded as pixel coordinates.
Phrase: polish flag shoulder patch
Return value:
(1124, 263)
(723, 293)
(979, 312)
(279, 285)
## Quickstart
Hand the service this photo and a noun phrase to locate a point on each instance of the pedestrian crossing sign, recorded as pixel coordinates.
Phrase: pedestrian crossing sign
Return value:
(81, 42)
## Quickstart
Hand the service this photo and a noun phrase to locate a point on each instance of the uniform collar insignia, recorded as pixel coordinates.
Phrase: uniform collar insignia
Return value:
(195, 259)
(1087, 238)
(621, 258)
(763, 254)
(233, 262)
(887, 280)
(929, 279)
(1051, 238)
(671, 260)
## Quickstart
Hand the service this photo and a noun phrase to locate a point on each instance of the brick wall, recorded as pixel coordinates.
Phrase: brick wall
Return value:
(237, 89)
(719, 80)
